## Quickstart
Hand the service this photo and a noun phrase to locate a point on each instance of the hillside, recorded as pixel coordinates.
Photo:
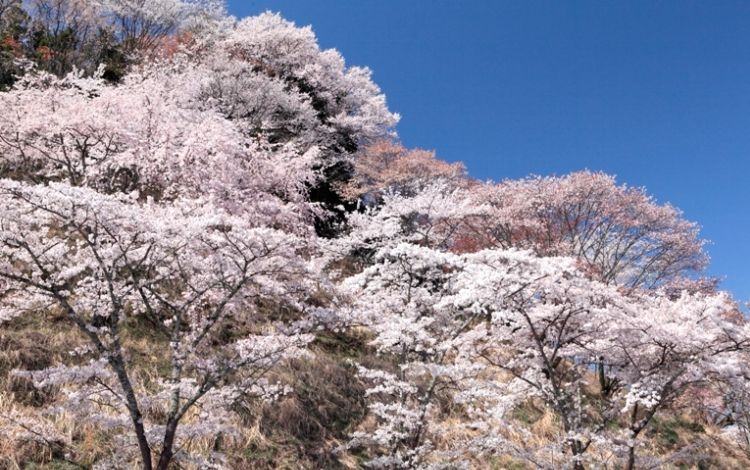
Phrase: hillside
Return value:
(215, 253)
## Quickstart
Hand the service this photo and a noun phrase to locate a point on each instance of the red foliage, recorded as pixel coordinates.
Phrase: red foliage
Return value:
(386, 165)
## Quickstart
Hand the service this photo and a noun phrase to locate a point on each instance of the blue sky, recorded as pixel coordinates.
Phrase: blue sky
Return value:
(655, 92)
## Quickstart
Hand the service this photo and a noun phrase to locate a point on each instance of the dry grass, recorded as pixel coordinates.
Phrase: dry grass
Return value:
(305, 429)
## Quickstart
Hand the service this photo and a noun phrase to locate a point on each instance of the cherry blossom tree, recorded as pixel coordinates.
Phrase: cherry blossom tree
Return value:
(495, 328)
(432, 217)
(559, 331)
(734, 409)
(210, 193)
(543, 319)
(415, 297)
(143, 135)
(59, 36)
(194, 273)
(272, 78)
(405, 272)
(620, 233)
(665, 346)
(140, 25)
(386, 166)
(152, 201)
(262, 84)
(420, 339)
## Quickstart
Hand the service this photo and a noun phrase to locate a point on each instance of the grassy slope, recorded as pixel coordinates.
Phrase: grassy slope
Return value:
(301, 430)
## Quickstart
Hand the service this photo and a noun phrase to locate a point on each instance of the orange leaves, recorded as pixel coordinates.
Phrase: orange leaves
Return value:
(12, 44)
(45, 53)
(166, 47)
(385, 165)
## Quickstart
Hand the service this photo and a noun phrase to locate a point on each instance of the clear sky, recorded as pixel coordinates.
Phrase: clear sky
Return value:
(655, 92)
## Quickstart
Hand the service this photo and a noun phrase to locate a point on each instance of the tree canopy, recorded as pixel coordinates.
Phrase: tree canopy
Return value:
(204, 205)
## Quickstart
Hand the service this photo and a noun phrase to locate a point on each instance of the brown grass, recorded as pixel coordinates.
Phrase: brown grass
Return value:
(304, 429)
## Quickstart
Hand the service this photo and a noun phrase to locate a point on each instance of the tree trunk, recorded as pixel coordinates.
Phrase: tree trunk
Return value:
(576, 449)
(117, 363)
(167, 446)
(634, 431)
(631, 458)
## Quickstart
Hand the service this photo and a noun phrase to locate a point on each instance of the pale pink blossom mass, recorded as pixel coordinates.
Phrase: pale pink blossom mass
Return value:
(242, 193)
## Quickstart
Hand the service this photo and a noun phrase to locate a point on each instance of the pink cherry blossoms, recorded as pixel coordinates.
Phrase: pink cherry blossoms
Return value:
(209, 221)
